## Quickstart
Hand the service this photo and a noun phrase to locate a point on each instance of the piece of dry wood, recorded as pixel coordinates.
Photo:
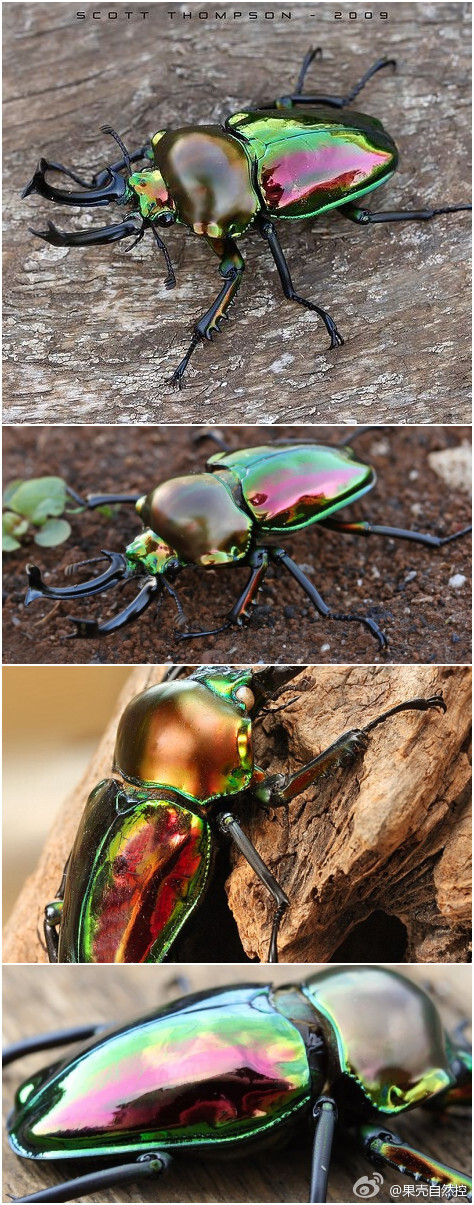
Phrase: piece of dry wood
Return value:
(93, 335)
(387, 835)
(37, 999)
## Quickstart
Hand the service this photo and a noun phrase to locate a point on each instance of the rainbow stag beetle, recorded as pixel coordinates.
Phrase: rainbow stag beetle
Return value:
(298, 157)
(144, 850)
(229, 516)
(223, 1072)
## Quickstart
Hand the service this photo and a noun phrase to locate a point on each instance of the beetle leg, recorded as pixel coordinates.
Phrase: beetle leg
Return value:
(364, 217)
(386, 1149)
(259, 561)
(48, 1041)
(396, 533)
(145, 1166)
(325, 1116)
(268, 232)
(281, 558)
(336, 102)
(52, 918)
(93, 500)
(231, 268)
(278, 789)
(231, 828)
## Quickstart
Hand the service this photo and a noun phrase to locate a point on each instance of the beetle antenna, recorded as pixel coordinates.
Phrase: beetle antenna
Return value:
(118, 140)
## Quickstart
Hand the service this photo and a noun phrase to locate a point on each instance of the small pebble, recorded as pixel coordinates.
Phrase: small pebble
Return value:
(456, 581)
(325, 648)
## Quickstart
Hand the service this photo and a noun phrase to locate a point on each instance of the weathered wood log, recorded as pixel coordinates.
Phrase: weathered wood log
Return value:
(388, 836)
(93, 335)
(37, 999)
(383, 839)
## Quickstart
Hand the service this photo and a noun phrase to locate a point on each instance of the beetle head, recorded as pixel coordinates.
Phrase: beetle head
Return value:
(154, 200)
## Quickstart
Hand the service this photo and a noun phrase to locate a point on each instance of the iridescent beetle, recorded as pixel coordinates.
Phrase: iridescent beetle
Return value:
(144, 850)
(230, 515)
(227, 1071)
(297, 158)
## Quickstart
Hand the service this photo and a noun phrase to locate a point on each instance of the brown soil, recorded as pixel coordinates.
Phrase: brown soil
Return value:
(403, 586)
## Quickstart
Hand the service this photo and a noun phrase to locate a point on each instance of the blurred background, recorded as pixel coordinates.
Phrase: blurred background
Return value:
(49, 735)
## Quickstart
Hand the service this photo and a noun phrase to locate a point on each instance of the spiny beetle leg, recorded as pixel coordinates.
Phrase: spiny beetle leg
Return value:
(277, 790)
(228, 825)
(267, 230)
(396, 533)
(145, 1166)
(365, 217)
(386, 1149)
(280, 557)
(231, 267)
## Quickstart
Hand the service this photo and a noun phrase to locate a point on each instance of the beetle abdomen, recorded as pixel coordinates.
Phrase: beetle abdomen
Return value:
(137, 870)
(208, 1072)
(310, 160)
(197, 516)
(286, 488)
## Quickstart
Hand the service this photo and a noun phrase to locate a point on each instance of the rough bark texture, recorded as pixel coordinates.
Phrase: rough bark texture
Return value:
(38, 999)
(387, 836)
(93, 335)
(384, 839)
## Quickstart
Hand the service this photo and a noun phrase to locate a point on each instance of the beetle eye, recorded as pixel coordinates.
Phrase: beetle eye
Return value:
(165, 219)
(245, 696)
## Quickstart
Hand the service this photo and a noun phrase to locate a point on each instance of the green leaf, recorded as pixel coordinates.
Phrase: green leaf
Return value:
(9, 544)
(55, 531)
(13, 525)
(39, 498)
(10, 490)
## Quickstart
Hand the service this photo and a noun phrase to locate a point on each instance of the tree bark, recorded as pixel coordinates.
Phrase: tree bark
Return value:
(384, 839)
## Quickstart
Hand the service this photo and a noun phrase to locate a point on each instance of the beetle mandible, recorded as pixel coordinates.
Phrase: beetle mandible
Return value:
(230, 515)
(297, 158)
(143, 853)
(226, 1071)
